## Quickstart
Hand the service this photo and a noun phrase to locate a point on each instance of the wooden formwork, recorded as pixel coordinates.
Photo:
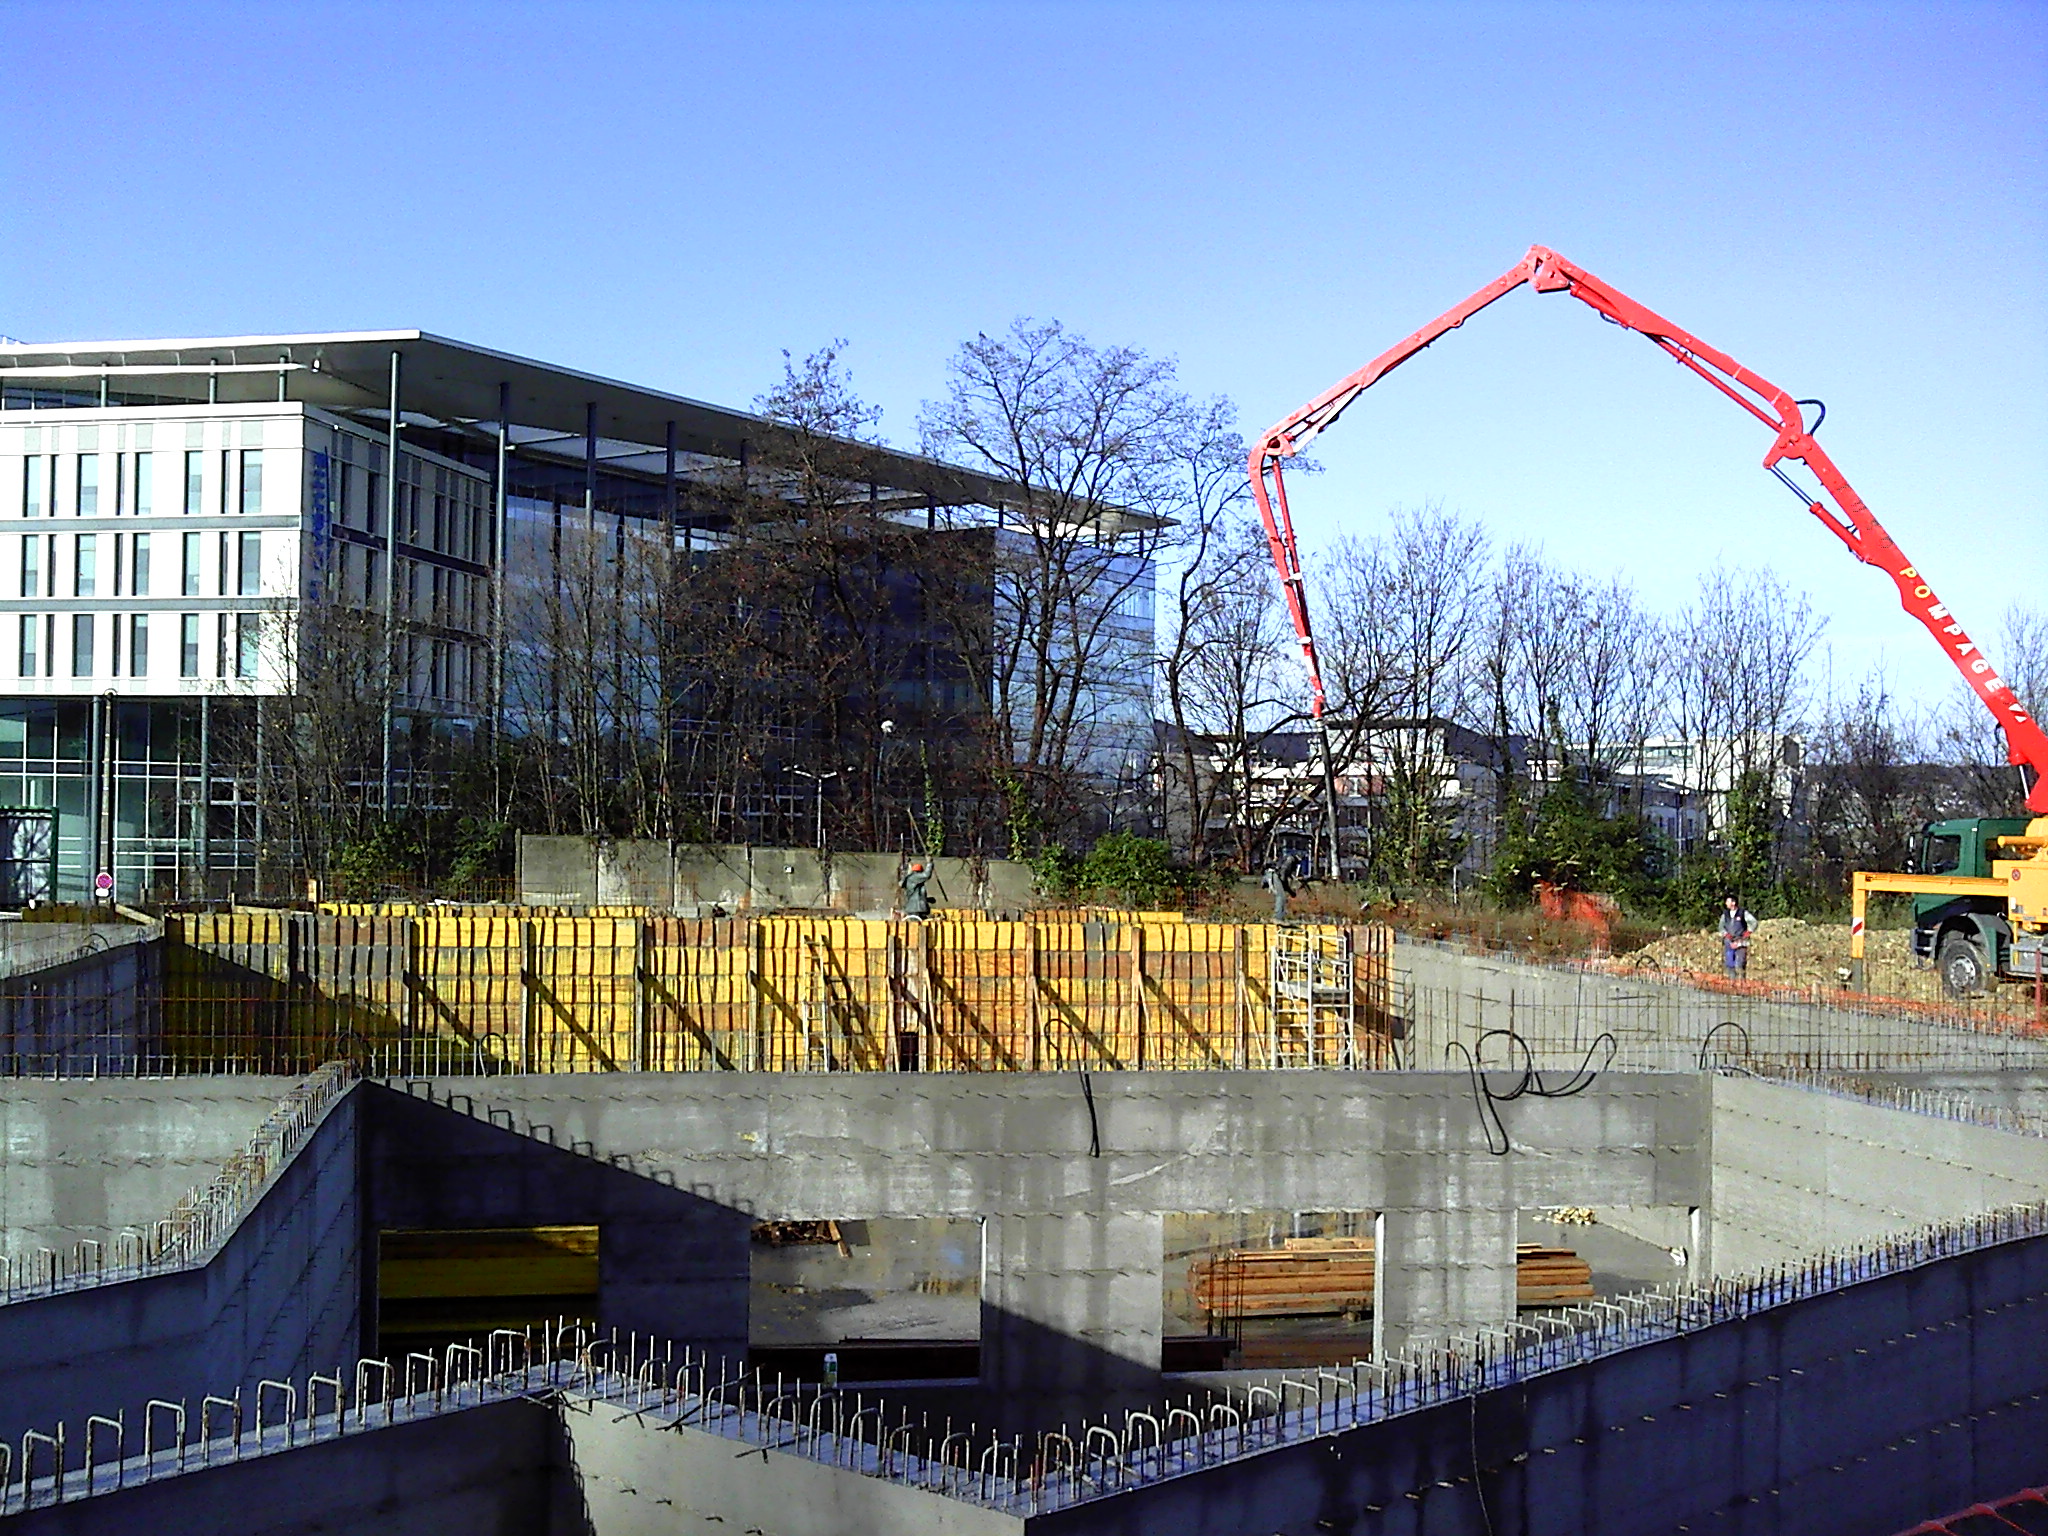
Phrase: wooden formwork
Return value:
(630, 990)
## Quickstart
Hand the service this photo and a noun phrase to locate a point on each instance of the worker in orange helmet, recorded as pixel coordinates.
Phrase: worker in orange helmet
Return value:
(915, 902)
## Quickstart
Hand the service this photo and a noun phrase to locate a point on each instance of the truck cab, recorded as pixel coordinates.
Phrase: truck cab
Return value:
(1968, 937)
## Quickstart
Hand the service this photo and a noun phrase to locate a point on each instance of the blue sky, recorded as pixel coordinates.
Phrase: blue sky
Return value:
(1848, 198)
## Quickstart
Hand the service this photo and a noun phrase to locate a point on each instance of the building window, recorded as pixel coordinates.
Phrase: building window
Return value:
(138, 565)
(252, 480)
(85, 570)
(31, 632)
(373, 504)
(248, 630)
(195, 481)
(138, 645)
(188, 645)
(33, 480)
(31, 566)
(145, 484)
(220, 566)
(249, 565)
(189, 579)
(81, 644)
(88, 485)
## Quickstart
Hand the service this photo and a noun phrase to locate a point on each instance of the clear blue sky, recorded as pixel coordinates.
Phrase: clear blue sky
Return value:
(1849, 198)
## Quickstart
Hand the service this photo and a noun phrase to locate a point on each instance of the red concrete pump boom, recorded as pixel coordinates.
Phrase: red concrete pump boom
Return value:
(1840, 510)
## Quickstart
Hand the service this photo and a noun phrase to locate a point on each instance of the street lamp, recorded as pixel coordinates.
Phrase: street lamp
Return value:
(819, 779)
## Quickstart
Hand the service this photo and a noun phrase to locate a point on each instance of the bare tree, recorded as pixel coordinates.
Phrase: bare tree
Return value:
(1738, 682)
(1399, 658)
(1093, 440)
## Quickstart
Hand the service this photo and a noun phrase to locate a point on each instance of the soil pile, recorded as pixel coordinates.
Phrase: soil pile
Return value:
(1787, 951)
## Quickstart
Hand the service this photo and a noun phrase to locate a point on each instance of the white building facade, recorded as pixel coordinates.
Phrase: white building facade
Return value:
(182, 521)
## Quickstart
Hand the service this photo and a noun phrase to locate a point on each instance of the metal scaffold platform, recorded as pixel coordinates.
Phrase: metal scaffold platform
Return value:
(1312, 974)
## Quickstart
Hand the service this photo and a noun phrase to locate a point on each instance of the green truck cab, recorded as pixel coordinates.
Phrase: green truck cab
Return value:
(1968, 936)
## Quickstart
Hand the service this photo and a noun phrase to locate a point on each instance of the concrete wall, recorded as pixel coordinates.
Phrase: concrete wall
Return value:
(580, 871)
(279, 1300)
(1864, 1411)
(492, 1471)
(1070, 1178)
(672, 1260)
(642, 1479)
(92, 1157)
(33, 946)
(1660, 1025)
(80, 1012)
(1796, 1170)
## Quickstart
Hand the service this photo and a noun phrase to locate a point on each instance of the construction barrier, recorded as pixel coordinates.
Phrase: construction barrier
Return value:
(514, 989)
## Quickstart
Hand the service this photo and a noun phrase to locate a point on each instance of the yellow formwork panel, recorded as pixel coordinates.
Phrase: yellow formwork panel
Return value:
(628, 990)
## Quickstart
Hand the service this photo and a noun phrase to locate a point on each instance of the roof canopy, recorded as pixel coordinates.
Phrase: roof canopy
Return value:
(456, 384)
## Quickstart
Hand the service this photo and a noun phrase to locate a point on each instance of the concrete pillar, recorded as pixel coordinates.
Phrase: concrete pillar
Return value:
(1441, 1272)
(1070, 1315)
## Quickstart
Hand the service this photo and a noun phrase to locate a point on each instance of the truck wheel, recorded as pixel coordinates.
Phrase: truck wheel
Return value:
(1964, 972)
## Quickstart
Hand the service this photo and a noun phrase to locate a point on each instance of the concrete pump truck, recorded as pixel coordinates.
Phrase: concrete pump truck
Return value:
(1979, 886)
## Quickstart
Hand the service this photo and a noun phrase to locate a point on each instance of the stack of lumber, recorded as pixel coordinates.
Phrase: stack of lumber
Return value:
(1550, 1277)
(1333, 1276)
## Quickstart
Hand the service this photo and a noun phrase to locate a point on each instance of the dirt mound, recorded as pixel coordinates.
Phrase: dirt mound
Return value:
(1788, 951)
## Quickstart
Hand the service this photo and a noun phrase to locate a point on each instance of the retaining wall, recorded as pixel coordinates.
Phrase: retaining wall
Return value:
(88, 1158)
(66, 1008)
(1859, 1412)
(1796, 1170)
(280, 1299)
(737, 877)
(497, 1470)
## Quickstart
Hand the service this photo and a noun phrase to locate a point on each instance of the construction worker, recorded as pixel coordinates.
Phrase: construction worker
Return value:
(1276, 880)
(915, 902)
(1736, 927)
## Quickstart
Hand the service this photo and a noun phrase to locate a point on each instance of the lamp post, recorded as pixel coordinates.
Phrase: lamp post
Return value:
(819, 780)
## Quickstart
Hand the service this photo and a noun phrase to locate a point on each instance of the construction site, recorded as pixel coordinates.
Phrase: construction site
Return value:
(719, 1186)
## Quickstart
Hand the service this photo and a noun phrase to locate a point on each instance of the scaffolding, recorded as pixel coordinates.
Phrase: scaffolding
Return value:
(1314, 1017)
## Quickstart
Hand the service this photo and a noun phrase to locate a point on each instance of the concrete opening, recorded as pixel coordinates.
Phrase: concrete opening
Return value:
(454, 1286)
(1260, 1290)
(892, 1299)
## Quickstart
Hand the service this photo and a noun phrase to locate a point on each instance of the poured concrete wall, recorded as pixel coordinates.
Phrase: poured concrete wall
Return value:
(1070, 1178)
(580, 871)
(280, 1300)
(490, 1471)
(1867, 1410)
(672, 1260)
(1797, 1170)
(1660, 1024)
(73, 1012)
(640, 1479)
(93, 1157)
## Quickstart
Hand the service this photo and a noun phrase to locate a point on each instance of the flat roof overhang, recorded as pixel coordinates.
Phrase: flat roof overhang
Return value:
(455, 382)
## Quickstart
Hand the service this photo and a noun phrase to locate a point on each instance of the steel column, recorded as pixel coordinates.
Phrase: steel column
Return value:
(390, 587)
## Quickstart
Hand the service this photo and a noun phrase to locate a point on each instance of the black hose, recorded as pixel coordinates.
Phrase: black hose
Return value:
(1707, 1040)
(1488, 1100)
